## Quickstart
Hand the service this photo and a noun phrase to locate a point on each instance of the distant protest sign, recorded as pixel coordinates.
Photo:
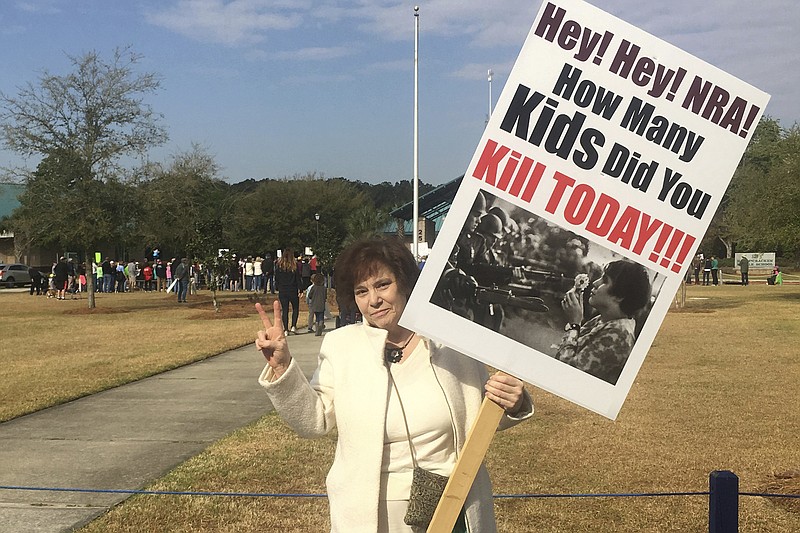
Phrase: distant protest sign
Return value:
(602, 165)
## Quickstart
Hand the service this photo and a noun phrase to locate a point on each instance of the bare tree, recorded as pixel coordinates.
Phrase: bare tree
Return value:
(96, 114)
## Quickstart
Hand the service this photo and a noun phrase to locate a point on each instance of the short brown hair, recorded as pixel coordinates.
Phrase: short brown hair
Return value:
(630, 282)
(364, 257)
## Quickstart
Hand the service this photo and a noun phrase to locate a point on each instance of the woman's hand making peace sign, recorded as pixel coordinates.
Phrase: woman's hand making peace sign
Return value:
(272, 341)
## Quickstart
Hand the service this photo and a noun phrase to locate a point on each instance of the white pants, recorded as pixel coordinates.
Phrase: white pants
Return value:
(390, 517)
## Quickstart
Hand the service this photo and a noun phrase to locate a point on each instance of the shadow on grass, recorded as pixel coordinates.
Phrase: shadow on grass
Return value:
(710, 305)
(792, 296)
(230, 307)
(784, 483)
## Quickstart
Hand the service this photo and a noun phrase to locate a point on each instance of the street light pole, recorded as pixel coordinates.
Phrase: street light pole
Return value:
(489, 115)
(316, 244)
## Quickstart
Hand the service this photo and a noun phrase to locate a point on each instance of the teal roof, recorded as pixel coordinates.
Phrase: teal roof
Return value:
(433, 205)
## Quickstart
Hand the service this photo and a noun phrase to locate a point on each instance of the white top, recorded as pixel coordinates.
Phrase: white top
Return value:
(429, 424)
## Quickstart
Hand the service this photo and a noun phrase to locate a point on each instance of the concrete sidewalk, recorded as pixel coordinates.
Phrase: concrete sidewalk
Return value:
(127, 437)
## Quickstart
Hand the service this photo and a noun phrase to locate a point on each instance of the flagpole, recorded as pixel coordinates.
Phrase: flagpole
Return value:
(415, 225)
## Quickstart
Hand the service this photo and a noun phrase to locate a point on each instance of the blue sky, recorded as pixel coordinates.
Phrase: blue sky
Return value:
(277, 88)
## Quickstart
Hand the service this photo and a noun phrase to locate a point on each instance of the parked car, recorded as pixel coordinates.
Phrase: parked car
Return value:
(14, 275)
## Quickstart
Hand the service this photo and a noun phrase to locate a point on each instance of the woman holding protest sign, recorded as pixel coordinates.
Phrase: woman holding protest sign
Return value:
(401, 403)
(601, 345)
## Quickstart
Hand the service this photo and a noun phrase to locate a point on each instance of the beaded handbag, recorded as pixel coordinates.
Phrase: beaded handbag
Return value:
(426, 491)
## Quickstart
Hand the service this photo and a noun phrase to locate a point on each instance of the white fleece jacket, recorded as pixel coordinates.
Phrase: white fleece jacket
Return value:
(349, 390)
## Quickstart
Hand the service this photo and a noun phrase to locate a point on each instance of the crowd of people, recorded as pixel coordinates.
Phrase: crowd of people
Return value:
(708, 267)
(68, 278)
(259, 274)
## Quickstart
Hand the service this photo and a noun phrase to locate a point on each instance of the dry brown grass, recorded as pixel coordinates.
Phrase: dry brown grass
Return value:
(54, 351)
(264, 456)
(717, 391)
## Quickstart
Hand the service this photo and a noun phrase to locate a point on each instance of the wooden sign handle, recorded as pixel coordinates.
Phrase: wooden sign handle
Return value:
(455, 493)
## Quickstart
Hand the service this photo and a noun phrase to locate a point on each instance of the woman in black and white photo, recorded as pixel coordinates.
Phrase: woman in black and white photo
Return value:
(601, 345)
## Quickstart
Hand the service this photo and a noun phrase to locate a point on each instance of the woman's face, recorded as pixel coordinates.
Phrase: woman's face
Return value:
(380, 299)
(601, 298)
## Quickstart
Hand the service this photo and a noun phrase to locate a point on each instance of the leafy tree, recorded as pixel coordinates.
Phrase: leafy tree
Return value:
(365, 222)
(188, 212)
(762, 210)
(87, 120)
(387, 195)
(280, 214)
(48, 190)
(185, 198)
(204, 249)
(53, 210)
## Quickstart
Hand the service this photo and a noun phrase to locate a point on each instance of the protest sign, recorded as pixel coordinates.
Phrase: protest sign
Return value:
(598, 173)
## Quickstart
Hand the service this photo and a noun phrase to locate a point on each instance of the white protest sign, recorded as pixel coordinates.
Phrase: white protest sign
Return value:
(606, 157)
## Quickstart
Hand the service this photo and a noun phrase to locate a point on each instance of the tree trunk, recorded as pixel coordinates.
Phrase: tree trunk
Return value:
(90, 277)
(213, 279)
(728, 247)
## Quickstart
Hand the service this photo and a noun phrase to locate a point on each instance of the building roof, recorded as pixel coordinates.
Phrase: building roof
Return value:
(433, 205)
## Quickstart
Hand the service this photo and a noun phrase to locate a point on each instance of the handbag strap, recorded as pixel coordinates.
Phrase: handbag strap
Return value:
(405, 420)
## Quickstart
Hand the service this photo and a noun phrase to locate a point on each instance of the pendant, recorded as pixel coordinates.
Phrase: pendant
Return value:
(393, 355)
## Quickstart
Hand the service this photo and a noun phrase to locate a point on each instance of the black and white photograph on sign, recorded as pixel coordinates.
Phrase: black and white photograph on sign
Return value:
(541, 285)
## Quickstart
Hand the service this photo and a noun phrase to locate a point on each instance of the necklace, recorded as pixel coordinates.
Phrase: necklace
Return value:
(393, 354)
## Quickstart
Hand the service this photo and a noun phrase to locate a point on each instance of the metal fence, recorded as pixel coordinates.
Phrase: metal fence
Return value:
(723, 497)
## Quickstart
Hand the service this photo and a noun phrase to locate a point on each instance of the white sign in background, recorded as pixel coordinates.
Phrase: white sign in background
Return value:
(757, 260)
(615, 135)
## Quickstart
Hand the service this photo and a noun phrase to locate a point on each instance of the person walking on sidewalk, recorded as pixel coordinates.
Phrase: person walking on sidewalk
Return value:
(287, 279)
(317, 297)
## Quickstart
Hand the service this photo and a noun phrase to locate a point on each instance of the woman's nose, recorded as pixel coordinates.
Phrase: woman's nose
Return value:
(374, 298)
